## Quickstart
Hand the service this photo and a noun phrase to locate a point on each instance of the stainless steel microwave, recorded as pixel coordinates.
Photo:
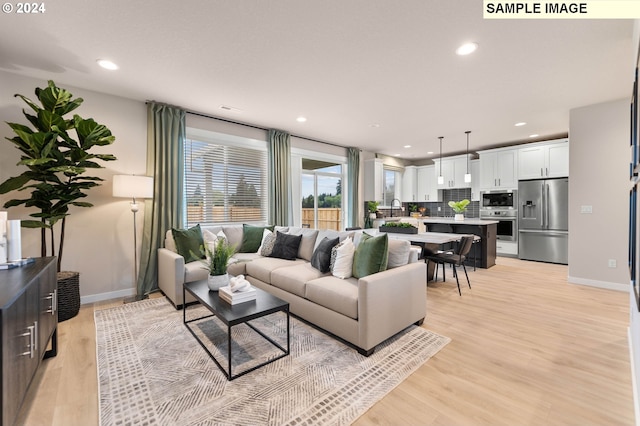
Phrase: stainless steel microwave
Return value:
(499, 199)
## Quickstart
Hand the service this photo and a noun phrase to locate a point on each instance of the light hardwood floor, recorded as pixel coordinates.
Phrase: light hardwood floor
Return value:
(527, 349)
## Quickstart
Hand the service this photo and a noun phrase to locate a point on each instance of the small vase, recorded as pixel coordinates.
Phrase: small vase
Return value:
(372, 215)
(459, 216)
(216, 281)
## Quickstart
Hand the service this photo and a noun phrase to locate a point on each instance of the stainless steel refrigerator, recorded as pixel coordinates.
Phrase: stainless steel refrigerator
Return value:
(543, 220)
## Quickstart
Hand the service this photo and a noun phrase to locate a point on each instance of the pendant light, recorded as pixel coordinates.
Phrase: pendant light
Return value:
(440, 177)
(467, 176)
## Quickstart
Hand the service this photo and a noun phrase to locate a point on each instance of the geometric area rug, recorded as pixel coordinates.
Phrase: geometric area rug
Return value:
(151, 371)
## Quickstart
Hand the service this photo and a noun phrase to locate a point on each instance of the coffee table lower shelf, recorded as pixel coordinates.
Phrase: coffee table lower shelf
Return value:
(231, 315)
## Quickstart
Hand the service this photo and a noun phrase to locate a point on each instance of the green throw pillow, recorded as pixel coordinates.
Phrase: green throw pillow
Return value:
(252, 237)
(189, 243)
(371, 255)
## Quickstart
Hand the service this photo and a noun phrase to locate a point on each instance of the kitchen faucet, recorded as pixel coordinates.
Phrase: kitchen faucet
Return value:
(395, 199)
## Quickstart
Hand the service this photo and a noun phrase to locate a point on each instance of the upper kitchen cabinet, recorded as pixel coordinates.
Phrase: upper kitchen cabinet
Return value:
(427, 185)
(544, 160)
(453, 171)
(409, 184)
(475, 180)
(373, 180)
(499, 168)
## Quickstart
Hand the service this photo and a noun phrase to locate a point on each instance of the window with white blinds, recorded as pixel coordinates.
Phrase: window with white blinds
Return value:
(224, 183)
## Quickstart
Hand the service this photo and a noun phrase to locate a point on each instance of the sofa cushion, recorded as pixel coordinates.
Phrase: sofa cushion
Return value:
(252, 237)
(321, 259)
(234, 235)
(293, 279)
(305, 251)
(286, 246)
(371, 255)
(341, 264)
(334, 293)
(189, 243)
(194, 271)
(261, 268)
(398, 253)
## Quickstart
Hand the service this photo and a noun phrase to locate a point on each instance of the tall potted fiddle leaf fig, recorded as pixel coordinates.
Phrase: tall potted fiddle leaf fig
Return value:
(56, 153)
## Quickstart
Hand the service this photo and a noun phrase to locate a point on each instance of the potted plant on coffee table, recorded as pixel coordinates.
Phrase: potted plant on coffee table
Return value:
(217, 262)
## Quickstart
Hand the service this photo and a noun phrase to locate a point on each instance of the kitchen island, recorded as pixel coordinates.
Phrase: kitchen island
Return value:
(484, 251)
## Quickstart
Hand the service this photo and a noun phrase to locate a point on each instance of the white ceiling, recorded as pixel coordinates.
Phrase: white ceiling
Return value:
(345, 65)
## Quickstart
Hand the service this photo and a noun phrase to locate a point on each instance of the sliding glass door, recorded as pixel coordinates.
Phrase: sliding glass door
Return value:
(321, 195)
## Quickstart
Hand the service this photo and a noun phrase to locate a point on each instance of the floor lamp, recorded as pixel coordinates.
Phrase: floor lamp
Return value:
(131, 186)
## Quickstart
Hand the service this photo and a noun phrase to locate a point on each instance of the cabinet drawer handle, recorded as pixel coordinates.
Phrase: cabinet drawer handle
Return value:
(32, 340)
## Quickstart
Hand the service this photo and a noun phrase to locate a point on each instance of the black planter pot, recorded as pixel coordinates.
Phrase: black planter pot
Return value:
(68, 295)
(398, 230)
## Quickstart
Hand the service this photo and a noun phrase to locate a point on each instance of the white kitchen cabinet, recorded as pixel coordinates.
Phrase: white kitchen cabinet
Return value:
(544, 160)
(427, 188)
(453, 171)
(475, 180)
(499, 169)
(410, 184)
(373, 180)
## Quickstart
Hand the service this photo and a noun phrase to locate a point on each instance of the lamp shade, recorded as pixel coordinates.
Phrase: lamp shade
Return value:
(131, 186)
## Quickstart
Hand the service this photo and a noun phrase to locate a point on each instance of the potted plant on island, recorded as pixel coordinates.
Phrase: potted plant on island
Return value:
(373, 209)
(217, 262)
(459, 207)
(55, 180)
(399, 228)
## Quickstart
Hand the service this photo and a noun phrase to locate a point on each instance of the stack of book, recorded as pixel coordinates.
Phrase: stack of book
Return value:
(233, 298)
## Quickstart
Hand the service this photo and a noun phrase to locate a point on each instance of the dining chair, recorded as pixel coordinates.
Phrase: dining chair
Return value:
(454, 258)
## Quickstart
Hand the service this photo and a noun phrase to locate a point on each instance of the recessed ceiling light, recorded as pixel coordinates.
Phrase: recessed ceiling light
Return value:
(522, 123)
(375, 125)
(397, 155)
(229, 108)
(301, 119)
(466, 49)
(407, 146)
(106, 64)
(535, 135)
(429, 152)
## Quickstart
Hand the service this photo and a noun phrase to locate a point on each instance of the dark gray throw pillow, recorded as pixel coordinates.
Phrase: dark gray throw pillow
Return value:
(321, 259)
(286, 246)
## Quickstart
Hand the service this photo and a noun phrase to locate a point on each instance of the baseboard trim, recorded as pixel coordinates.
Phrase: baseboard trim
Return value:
(92, 298)
(599, 284)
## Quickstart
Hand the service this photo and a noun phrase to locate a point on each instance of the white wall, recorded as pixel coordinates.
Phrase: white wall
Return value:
(599, 177)
(99, 240)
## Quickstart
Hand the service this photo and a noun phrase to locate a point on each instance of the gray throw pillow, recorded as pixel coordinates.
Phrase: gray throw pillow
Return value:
(286, 246)
(321, 259)
(267, 244)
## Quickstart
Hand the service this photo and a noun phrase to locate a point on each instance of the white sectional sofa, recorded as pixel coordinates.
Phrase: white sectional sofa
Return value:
(364, 312)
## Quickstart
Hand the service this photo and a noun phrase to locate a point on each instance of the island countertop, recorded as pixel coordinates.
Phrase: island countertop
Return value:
(451, 221)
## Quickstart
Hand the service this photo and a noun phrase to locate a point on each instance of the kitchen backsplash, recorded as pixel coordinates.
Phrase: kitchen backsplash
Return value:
(473, 209)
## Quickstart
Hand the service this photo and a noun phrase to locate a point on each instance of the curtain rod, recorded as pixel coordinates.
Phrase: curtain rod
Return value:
(253, 126)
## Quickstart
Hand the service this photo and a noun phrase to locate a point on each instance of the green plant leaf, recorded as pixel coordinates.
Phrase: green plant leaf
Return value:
(29, 102)
(33, 224)
(81, 204)
(14, 183)
(49, 119)
(54, 98)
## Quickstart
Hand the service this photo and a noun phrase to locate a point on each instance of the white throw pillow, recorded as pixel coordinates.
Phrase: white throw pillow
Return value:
(342, 259)
(265, 234)
(210, 240)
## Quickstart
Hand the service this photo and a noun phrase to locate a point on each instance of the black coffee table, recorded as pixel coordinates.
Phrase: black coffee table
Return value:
(230, 315)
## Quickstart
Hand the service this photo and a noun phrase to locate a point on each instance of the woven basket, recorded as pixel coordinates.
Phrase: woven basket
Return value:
(68, 295)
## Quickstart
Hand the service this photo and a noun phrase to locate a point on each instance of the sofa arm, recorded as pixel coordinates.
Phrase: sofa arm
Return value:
(390, 301)
(171, 275)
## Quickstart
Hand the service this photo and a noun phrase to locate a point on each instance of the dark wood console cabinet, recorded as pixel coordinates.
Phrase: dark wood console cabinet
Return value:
(28, 321)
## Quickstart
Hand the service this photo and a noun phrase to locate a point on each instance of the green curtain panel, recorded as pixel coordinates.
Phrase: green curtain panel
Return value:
(279, 150)
(353, 174)
(165, 162)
